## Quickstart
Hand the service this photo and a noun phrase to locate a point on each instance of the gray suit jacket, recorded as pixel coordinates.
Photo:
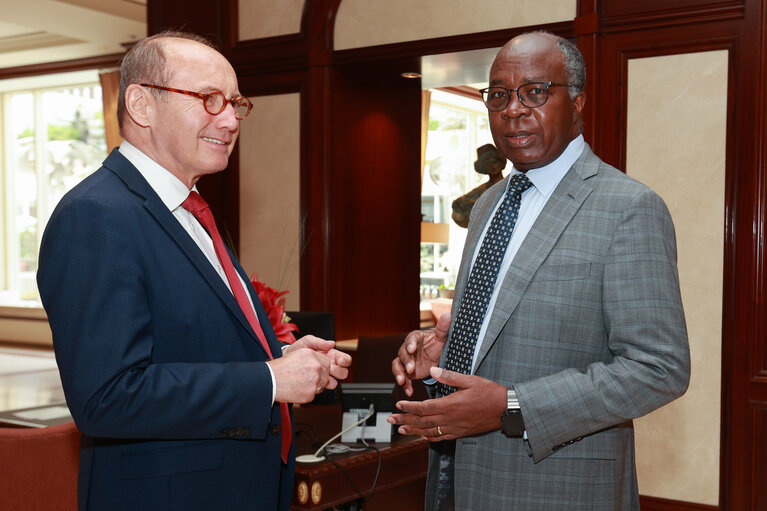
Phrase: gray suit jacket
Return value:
(589, 329)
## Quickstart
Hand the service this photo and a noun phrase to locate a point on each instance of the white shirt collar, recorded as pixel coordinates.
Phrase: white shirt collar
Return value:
(546, 178)
(172, 190)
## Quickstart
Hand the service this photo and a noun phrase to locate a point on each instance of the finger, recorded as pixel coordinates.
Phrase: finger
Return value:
(398, 370)
(412, 407)
(452, 378)
(407, 359)
(340, 358)
(317, 343)
(339, 373)
(411, 341)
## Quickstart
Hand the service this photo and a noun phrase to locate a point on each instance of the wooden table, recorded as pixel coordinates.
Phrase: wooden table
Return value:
(349, 477)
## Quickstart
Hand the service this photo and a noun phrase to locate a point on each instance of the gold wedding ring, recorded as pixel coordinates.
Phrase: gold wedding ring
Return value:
(320, 388)
(439, 431)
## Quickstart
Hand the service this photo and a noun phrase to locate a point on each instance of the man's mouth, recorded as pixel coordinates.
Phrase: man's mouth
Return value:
(214, 141)
(520, 138)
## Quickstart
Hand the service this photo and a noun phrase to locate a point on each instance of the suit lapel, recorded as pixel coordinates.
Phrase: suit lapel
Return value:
(133, 179)
(564, 203)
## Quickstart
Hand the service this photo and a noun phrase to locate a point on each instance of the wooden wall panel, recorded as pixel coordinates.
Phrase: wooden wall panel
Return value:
(376, 194)
(758, 481)
(739, 28)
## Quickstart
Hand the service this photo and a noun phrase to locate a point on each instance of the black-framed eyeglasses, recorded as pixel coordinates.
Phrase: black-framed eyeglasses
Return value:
(532, 95)
(214, 102)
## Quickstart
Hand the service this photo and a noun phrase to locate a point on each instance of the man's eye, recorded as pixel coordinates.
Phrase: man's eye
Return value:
(498, 94)
(535, 91)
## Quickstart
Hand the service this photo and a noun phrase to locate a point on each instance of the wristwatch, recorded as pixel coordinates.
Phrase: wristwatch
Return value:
(512, 424)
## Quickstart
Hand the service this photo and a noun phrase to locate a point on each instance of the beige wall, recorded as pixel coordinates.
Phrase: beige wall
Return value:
(677, 109)
(270, 192)
(267, 18)
(361, 23)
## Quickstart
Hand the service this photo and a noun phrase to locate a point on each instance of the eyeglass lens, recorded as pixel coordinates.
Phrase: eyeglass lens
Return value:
(531, 95)
(215, 102)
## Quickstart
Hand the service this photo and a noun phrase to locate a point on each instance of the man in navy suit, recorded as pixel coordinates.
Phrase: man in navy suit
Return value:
(179, 402)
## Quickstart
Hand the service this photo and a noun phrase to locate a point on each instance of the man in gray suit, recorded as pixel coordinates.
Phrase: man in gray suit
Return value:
(580, 330)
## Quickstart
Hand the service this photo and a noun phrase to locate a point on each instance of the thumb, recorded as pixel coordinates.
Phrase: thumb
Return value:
(452, 378)
(442, 326)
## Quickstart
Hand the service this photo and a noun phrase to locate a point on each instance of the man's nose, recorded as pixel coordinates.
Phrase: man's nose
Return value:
(227, 118)
(515, 108)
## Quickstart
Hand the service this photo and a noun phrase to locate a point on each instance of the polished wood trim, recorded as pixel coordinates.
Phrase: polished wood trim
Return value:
(586, 32)
(65, 66)
(463, 90)
(659, 504)
(625, 15)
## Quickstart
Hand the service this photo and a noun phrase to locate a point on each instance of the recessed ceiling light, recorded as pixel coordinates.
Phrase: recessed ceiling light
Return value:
(410, 74)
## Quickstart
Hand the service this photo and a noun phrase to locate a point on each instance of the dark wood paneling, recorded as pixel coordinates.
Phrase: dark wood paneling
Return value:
(758, 482)
(376, 193)
(623, 15)
(658, 504)
(211, 19)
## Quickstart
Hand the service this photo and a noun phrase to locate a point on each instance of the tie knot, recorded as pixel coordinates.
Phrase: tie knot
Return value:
(519, 183)
(194, 203)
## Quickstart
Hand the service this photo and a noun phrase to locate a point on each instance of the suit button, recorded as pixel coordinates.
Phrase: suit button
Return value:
(276, 429)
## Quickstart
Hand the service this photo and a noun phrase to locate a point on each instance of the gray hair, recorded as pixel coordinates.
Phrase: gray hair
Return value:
(146, 62)
(575, 67)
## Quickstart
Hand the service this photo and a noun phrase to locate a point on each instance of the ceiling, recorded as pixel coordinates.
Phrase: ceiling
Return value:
(38, 31)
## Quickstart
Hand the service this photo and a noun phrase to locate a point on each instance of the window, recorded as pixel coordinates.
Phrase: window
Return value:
(51, 137)
(457, 127)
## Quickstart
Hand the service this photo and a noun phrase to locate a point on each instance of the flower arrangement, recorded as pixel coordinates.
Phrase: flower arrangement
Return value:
(274, 303)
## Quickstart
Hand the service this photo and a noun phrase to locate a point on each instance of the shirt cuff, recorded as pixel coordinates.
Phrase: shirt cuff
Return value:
(274, 383)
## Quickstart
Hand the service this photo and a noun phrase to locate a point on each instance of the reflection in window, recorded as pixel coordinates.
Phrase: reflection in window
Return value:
(457, 127)
(53, 138)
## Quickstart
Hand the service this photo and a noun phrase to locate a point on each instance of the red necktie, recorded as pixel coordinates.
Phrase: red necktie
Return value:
(197, 206)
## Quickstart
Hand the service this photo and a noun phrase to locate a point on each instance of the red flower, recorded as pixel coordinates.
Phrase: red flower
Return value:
(274, 303)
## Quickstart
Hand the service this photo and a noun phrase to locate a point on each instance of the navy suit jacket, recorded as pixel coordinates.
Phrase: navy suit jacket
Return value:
(161, 370)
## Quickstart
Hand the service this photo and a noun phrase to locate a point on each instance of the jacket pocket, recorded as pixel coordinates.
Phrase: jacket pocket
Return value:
(168, 461)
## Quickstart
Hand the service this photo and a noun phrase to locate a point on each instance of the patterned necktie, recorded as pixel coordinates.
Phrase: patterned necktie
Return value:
(479, 287)
(197, 206)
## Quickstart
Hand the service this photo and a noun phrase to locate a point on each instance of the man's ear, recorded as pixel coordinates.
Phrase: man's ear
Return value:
(579, 102)
(139, 104)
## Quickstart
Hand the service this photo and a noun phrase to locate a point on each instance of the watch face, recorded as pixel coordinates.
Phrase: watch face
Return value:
(512, 423)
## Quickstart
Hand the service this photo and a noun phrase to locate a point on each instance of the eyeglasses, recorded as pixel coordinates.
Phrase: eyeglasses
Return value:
(214, 102)
(532, 95)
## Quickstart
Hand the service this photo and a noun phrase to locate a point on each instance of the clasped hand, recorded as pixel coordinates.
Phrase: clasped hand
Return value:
(476, 407)
(307, 367)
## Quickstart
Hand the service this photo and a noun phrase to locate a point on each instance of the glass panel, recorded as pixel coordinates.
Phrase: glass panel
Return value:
(23, 157)
(55, 139)
(75, 144)
(457, 127)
